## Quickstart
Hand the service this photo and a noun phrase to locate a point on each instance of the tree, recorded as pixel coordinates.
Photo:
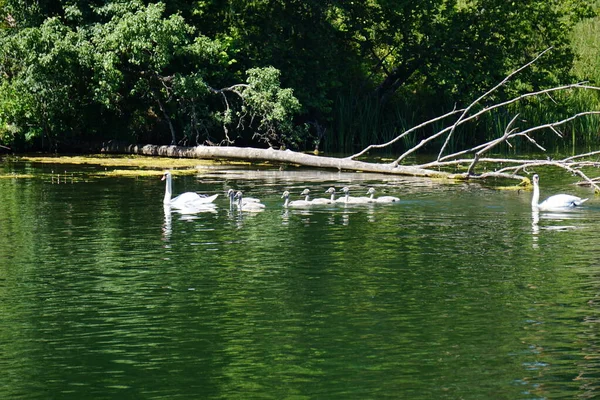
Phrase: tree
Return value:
(266, 108)
(44, 87)
(131, 71)
(147, 71)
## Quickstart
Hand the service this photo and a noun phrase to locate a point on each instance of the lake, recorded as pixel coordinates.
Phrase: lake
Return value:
(457, 291)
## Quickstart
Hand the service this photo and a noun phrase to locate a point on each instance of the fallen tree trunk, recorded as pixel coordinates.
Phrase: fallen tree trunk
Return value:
(271, 155)
(448, 166)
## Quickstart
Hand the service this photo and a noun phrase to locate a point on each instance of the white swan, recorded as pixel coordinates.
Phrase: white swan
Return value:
(558, 202)
(381, 199)
(321, 200)
(347, 199)
(331, 191)
(251, 207)
(231, 195)
(306, 193)
(185, 199)
(295, 203)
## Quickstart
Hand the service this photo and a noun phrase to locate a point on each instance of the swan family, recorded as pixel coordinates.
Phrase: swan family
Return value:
(345, 199)
(194, 201)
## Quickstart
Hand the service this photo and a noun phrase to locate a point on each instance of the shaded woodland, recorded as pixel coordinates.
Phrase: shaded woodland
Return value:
(303, 75)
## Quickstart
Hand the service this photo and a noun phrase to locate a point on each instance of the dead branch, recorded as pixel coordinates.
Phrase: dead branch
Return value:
(405, 133)
(424, 141)
(484, 96)
(222, 92)
(445, 166)
(511, 134)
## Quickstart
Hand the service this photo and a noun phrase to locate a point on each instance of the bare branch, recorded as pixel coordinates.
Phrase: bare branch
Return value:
(405, 133)
(492, 144)
(485, 95)
(593, 153)
(481, 112)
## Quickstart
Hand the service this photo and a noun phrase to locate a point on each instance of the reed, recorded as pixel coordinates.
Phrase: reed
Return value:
(358, 124)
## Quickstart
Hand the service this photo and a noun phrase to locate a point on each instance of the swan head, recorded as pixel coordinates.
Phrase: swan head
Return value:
(346, 189)
(285, 195)
(166, 175)
(330, 190)
(305, 192)
(536, 179)
(371, 191)
(238, 195)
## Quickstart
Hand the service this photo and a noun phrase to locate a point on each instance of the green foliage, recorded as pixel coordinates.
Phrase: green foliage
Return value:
(43, 92)
(340, 74)
(273, 106)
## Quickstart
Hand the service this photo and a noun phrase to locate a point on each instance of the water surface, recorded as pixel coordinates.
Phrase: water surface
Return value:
(458, 291)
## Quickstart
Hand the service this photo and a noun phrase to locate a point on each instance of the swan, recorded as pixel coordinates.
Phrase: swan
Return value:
(557, 202)
(331, 191)
(381, 199)
(347, 199)
(296, 203)
(306, 193)
(231, 195)
(243, 206)
(184, 199)
(325, 201)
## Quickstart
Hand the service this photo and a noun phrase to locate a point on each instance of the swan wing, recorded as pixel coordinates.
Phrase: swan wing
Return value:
(184, 198)
(187, 198)
(355, 200)
(387, 199)
(561, 201)
(321, 201)
(207, 199)
(252, 207)
(299, 203)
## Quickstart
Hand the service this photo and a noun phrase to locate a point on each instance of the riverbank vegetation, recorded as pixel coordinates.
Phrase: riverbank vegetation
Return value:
(326, 75)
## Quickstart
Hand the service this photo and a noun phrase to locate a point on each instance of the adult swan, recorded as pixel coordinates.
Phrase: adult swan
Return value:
(558, 202)
(184, 200)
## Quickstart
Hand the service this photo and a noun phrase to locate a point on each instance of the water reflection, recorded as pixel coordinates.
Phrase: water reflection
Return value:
(535, 227)
(167, 225)
(353, 302)
(552, 218)
(188, 212)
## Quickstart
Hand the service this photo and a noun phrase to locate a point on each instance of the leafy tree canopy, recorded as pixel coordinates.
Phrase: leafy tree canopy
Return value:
(260, 71)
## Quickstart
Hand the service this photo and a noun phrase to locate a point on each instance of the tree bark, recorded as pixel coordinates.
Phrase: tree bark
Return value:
(270, 155)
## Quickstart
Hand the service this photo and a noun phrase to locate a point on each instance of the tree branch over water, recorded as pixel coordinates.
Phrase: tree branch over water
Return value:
(475, 161)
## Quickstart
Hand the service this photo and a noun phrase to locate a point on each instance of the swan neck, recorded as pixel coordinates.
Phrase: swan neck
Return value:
(168, 190)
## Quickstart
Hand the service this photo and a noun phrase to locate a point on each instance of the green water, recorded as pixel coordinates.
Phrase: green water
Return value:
(456, 292)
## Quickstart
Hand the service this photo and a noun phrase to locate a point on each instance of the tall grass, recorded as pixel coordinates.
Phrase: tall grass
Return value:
(358, 124)
(360, 120)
